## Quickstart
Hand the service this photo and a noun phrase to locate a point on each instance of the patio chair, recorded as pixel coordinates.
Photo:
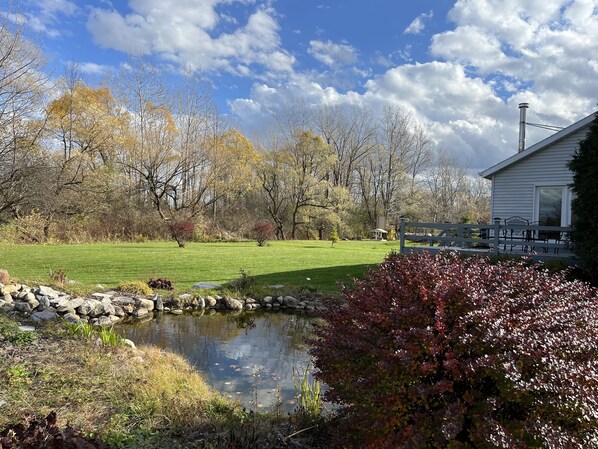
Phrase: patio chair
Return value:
(515, 234)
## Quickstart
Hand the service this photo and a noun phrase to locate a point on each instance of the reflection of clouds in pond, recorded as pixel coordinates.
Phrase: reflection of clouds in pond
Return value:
(243, 363)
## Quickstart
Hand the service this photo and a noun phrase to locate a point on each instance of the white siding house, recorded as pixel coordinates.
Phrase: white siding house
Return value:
(535, 183)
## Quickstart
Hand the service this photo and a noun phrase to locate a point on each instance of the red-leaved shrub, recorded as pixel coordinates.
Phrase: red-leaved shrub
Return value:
(262, 231)
(440, 351)
(181, 231)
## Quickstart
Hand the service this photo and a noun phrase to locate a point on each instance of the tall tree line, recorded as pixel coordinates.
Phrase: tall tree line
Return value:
(130, 157)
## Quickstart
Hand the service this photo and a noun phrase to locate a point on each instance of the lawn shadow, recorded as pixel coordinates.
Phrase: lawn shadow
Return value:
(320, 279)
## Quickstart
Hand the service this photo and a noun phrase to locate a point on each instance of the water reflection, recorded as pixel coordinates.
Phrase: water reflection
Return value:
(247, 356)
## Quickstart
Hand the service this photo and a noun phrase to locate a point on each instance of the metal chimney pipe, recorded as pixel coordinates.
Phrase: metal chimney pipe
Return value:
(522, 118)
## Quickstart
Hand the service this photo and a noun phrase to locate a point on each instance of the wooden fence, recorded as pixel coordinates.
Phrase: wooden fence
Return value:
(538, 242)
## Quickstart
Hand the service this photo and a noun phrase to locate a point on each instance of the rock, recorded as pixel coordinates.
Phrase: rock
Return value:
(121, 300)
(7, 299)
(128, 343)
(159, 304)
(31, 297)
(104, 321)
(128, 308)
(277, 286)
(101, 296)
(185, 296)
(69, 305)
(4, 276)
(232, 304)
(44, 315)
(7, 307)
(108, 307)
(33, 303)
(71, 318)
(279, 299)
(22, 307)
(268, 306)
(26, 328)
(47, 291)
(176, 312)
(275, 305)
(10, 289)
(114, 318)
(88, 307)
(290, 302)
(140, 312)
(267, 300)
(119, 312)
(207, 285)
(210, 301)
(143, 303)
(250, 301)
(201, 302)
(22, 294)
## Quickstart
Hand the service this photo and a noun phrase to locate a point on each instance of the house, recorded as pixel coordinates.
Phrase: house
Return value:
(535, 183)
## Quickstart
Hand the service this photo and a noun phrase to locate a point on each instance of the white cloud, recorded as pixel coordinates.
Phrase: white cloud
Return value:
(418, 25)
(332, 54)
(43, 16)
(497, 54)
(186, 32)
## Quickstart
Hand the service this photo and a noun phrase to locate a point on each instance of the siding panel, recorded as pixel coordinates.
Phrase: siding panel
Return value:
(514, 187)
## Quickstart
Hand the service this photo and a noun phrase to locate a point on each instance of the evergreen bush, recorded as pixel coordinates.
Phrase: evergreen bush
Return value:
(584, 206)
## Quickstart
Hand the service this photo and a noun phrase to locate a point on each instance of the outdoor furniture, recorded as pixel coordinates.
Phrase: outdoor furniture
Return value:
(514, 233)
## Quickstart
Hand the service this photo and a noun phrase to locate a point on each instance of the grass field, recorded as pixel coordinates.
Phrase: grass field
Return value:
(290, 263)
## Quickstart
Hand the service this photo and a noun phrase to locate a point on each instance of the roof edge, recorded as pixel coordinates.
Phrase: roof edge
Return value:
(538, 146)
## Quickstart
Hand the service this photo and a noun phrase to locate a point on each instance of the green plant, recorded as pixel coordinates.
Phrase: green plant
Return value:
(18, 375)
(110, 338)
(333, 237)
(307, 393)
(245, 281)
(10, 332)
(446, 351)
(135, 287)
(584, 166)
(81, 328)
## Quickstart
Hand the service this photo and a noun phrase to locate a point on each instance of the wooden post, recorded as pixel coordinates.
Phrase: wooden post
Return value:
(496, 235)
(402, 235)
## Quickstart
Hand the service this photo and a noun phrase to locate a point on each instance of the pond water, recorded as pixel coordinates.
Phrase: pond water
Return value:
(249, 357)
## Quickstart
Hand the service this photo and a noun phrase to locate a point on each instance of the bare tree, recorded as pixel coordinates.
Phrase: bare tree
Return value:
(348, 130)
(22, 86)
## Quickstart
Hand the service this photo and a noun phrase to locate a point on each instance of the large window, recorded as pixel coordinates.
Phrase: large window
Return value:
(553, 208)
(550, 206)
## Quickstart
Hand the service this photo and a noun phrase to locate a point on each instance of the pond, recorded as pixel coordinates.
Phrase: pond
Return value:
(249, 357)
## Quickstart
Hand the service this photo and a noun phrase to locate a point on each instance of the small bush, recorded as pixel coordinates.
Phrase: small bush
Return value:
(135, 287)
(160, 284)
(442, 351)
(333, 237)
(181, 231)
(262, 231)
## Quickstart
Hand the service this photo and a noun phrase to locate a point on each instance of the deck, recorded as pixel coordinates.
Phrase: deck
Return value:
(534, 241)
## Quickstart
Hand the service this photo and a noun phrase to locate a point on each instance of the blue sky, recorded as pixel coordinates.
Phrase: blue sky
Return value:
(460, 67)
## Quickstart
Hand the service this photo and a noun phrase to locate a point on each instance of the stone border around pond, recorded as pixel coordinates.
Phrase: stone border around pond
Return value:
(107, 308)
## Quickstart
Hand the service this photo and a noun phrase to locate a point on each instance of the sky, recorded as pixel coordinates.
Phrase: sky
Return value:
(459, 67)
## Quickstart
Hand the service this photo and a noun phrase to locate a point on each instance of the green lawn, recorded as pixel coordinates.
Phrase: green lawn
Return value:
(290, 263)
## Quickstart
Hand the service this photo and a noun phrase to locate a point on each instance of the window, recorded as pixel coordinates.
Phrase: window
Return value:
(552, 207)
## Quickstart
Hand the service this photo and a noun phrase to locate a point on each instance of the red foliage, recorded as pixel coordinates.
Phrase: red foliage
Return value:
(262, 231)
(44, 433)
(442, 351)
(160, 284)
(181, 230)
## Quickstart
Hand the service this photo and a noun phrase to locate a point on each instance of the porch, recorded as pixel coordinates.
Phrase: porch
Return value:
(535, 241)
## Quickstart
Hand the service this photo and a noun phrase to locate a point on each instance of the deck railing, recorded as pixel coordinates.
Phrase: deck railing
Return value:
(537, 241)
